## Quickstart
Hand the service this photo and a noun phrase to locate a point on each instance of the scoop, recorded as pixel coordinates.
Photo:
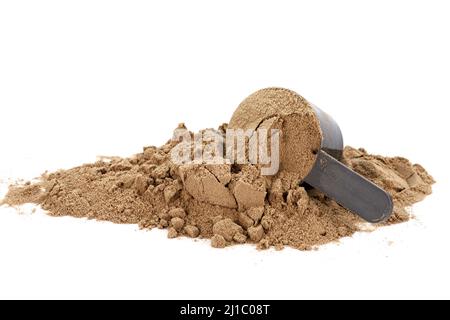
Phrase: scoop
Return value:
(312, 145)
(342, 184)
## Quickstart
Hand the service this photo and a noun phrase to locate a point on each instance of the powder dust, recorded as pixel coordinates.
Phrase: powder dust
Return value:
(229, 204)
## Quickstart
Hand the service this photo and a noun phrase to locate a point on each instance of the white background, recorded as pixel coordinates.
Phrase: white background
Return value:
(85, 78)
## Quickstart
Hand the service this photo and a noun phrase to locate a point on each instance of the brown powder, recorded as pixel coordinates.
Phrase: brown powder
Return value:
(230, 204)
(283, 109)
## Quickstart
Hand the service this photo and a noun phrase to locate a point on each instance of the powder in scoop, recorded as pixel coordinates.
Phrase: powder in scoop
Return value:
(283, 109)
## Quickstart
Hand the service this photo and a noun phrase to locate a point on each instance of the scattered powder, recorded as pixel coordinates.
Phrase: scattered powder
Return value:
(229, 204)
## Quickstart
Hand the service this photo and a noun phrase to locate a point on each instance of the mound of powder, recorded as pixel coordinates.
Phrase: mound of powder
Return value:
(229, 204)
(226, 202)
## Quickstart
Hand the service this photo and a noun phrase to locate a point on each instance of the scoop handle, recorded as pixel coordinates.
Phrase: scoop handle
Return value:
(349, 189)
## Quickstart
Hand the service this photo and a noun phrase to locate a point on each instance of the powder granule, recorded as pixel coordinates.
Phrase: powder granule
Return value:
(149, 190)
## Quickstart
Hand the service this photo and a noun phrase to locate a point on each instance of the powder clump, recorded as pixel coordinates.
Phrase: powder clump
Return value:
(227, 229)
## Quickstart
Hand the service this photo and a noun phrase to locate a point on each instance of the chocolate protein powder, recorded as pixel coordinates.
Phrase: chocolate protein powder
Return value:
(228, 203)
(283, 109)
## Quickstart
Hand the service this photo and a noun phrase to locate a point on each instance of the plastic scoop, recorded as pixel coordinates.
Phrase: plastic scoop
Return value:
(342, 184)
(312, 146)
